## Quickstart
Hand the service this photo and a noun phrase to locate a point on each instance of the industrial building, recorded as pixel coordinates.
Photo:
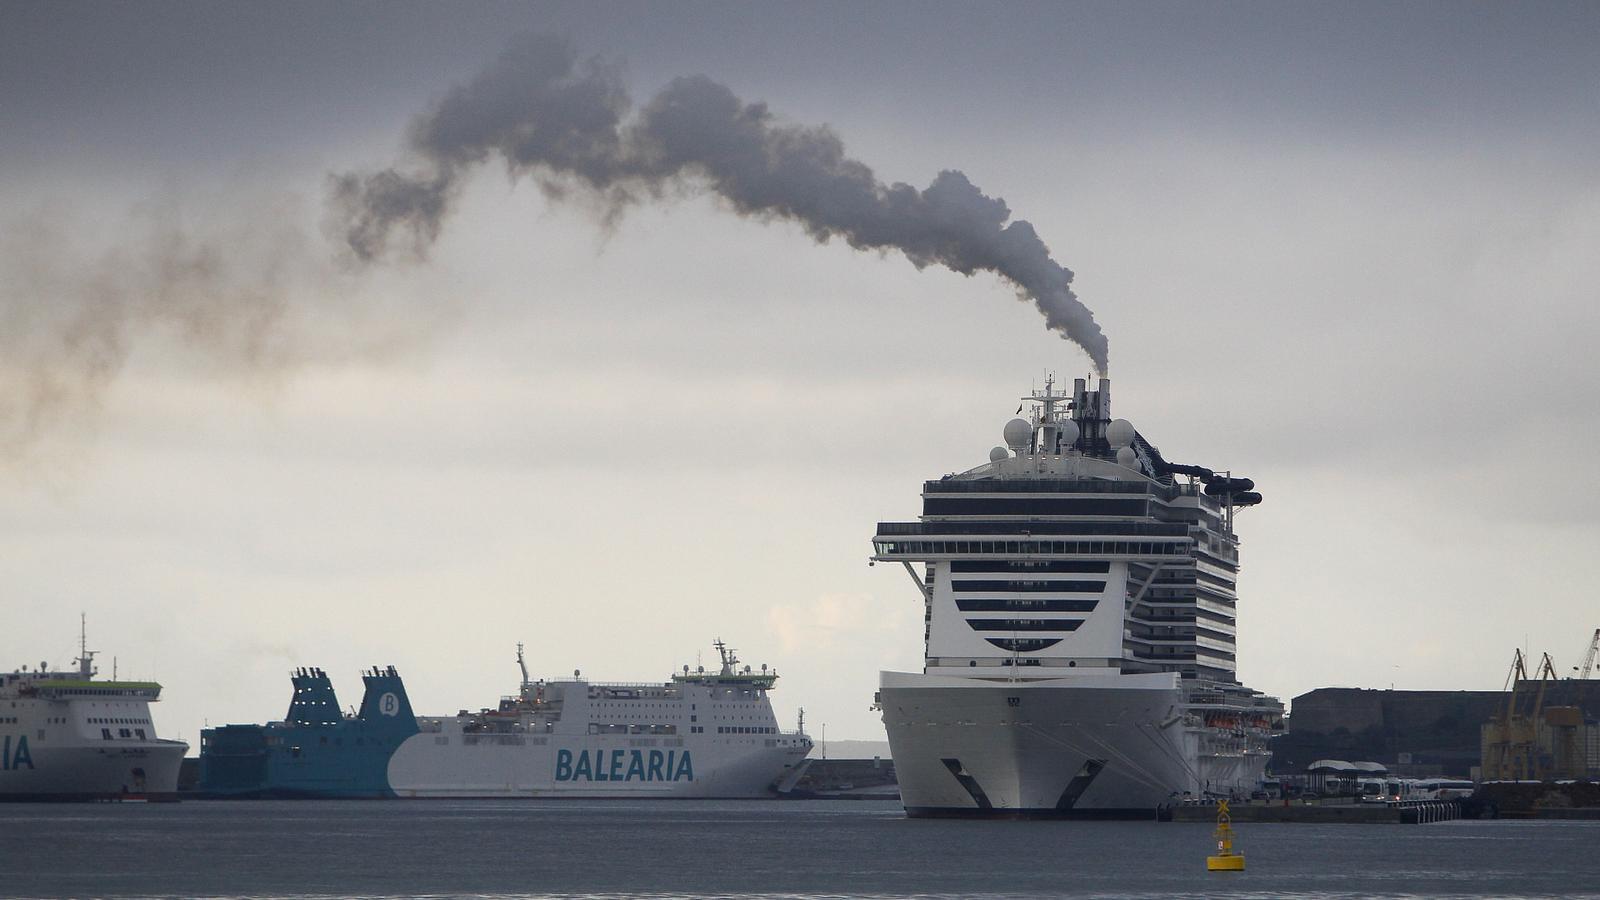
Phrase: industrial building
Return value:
(1450, 733)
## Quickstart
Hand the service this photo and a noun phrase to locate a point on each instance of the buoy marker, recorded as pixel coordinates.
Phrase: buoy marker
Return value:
(1226, 860)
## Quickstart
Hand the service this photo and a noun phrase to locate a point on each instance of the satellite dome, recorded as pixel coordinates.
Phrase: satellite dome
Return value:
(998, 454)
(1120, 433)
(1069, 433)
(1126, 458)
(1018, 433)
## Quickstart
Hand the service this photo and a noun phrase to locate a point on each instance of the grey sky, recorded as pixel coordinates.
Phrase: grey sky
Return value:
(1345, 249)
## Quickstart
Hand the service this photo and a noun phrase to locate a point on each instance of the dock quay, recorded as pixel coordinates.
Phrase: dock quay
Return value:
(1404, 812)
(1538, 800)
(846, 779)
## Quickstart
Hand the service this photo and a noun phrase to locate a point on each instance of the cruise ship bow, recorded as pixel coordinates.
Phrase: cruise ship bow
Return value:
(1080, 613)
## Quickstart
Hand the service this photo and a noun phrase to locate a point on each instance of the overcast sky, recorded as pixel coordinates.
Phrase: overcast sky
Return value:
(1345, 249)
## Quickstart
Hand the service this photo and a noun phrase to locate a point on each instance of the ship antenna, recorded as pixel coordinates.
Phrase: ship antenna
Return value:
(523, 666)
(85, 659)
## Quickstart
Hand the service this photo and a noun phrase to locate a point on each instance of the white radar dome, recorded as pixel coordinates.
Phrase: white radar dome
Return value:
(1120, 433)
(1127, 459)
(998, 454)
(1069, 433)
(1018, 433)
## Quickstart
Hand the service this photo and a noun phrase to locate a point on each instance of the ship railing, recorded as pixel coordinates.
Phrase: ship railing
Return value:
(510, 740)
(140, 692)
(634, 728)
(1009, 528)
(1042, 485)
(636, 685)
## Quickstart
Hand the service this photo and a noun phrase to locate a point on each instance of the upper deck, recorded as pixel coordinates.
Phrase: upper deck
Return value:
(64, 686)
(73, 684)
(1075, 545)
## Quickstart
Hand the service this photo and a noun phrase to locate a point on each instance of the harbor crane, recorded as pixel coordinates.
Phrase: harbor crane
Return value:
(1588, 657)
(1512, 743)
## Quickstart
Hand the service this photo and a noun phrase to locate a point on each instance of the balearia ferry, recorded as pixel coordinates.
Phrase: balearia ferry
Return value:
(66, 736)
(701, 734)
(1080, 621)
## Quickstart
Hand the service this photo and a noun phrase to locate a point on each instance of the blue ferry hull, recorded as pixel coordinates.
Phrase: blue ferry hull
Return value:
(315, 752)
(572, 739)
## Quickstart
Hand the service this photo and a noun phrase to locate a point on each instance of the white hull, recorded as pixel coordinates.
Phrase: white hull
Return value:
(89, 772)
(1079, 745)
(66, 736)
(449, 763)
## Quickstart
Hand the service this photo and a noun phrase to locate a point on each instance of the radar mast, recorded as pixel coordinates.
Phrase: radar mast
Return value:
(85, 660)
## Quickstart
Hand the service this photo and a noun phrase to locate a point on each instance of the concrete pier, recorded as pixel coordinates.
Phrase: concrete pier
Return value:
(1403, 813)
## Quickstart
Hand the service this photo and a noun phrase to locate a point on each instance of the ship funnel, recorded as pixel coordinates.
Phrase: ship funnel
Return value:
(1091, 409)
(314, 702)
(385, 700)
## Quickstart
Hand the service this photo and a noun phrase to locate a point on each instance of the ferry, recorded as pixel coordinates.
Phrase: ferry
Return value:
(66, 736)
(698, 734)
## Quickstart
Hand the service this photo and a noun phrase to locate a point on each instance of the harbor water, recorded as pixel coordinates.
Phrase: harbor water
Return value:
(744, 848)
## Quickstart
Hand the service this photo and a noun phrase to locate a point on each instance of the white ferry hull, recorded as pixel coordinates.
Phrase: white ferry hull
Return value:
(94, 772)
(1092, 746)
(436, 765)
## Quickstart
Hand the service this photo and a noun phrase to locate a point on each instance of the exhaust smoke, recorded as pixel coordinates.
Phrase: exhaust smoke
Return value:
(568, 123)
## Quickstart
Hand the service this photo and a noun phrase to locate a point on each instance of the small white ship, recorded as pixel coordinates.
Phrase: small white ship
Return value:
(1080, 619)
(66, 736)
(701, 734)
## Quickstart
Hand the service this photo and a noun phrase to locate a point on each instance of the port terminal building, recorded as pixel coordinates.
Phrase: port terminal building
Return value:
(1438, 733)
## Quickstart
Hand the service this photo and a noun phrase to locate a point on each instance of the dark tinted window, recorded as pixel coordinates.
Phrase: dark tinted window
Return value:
(1023, 645)
(1024, 624)
(1007, 604)
(1035, 587)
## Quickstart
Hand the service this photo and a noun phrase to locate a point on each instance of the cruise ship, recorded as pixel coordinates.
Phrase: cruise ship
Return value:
(699, 734)
(1080, 612)
(66, 736)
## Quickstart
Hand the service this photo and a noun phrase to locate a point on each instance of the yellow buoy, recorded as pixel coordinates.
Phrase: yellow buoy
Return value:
(1226, 860)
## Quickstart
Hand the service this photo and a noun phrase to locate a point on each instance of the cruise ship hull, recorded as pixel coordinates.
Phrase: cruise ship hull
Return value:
(1080, 746)
(95, 772)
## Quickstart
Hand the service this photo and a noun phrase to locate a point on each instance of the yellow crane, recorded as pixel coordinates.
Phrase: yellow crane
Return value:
(1511, 747)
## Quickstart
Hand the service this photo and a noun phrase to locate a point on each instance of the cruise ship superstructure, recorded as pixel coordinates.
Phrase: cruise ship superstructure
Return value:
(1079, 595)
(699, 734)
(66, 736)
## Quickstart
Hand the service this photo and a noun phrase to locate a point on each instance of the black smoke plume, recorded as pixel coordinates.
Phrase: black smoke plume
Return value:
(566, 122)
(242, 287)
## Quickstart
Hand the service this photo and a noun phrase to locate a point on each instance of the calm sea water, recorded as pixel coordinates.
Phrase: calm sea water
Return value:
(751, 848)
